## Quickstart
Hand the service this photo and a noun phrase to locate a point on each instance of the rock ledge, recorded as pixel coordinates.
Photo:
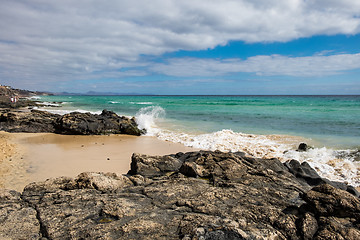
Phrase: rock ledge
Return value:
(196, 195)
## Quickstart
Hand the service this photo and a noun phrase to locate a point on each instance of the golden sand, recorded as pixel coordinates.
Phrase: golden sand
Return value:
(29, 157)
(13, 168)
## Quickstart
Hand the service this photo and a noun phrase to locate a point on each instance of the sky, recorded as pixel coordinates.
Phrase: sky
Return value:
(226, 47)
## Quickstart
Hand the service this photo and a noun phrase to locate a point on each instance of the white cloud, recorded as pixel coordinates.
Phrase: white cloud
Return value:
(318, 65)
(43, 40)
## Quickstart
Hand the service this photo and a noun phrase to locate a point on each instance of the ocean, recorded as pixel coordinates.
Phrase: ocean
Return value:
(262, 126)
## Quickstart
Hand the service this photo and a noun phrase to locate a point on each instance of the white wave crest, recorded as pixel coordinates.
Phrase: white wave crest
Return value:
(324, 160)
(327, 163)
(228, 141)
(50, 104)
(146, 119)
(141, 103)
(63, 111)
(34, 97)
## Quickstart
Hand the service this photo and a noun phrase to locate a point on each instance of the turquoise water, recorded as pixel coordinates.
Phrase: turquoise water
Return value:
(329, 120)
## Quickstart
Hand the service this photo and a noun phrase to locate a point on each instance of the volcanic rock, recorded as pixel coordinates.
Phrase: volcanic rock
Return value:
(197, 195)
(73, 123)
(33, 122)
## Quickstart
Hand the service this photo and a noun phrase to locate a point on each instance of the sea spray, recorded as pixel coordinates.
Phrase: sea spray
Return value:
(228, 141)
(146, 119)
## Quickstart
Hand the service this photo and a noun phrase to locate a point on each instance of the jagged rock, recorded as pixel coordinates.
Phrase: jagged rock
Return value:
(89, 124)
(17, 219)
(78, 123)
(338, 212)
(330, 201)
(34, 121)
(73, 123)
(304, 172)
(197, 195)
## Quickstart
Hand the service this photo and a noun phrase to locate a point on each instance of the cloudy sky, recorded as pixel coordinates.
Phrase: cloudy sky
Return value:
(181, 47)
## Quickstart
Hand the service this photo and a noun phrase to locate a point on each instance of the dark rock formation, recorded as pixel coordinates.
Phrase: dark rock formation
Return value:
(303, 147)
(306, 174)
(73, 123)
(199, 195)
(92, 124)
(32, 122)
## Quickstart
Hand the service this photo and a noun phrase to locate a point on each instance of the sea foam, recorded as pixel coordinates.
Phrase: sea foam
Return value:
(63, 111)
(325, 160)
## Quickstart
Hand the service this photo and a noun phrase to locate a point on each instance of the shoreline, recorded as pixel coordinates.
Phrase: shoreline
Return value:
(40, 156)
(42, 148)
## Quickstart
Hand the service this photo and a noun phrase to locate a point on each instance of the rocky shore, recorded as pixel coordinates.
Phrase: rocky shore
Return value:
(195, 195)
(36, 121)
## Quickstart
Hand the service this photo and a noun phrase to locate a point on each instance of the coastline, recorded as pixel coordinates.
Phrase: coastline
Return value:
(62, 180)
(335, 164)
(40, 156)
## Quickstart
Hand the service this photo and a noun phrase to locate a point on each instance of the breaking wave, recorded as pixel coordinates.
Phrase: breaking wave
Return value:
(147, 117)
(336, 165)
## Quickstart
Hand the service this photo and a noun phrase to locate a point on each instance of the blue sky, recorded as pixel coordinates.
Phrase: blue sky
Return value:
(182, 47)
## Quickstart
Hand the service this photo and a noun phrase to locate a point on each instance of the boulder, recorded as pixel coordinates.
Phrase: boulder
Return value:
(93, 124)
(73, 123)
(303, 147)
(32, 122)
(196, 195)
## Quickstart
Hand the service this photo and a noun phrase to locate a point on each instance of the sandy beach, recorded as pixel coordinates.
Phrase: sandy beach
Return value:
(29, 157)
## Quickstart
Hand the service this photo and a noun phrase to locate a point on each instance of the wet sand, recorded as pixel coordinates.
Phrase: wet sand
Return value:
(39, 156)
